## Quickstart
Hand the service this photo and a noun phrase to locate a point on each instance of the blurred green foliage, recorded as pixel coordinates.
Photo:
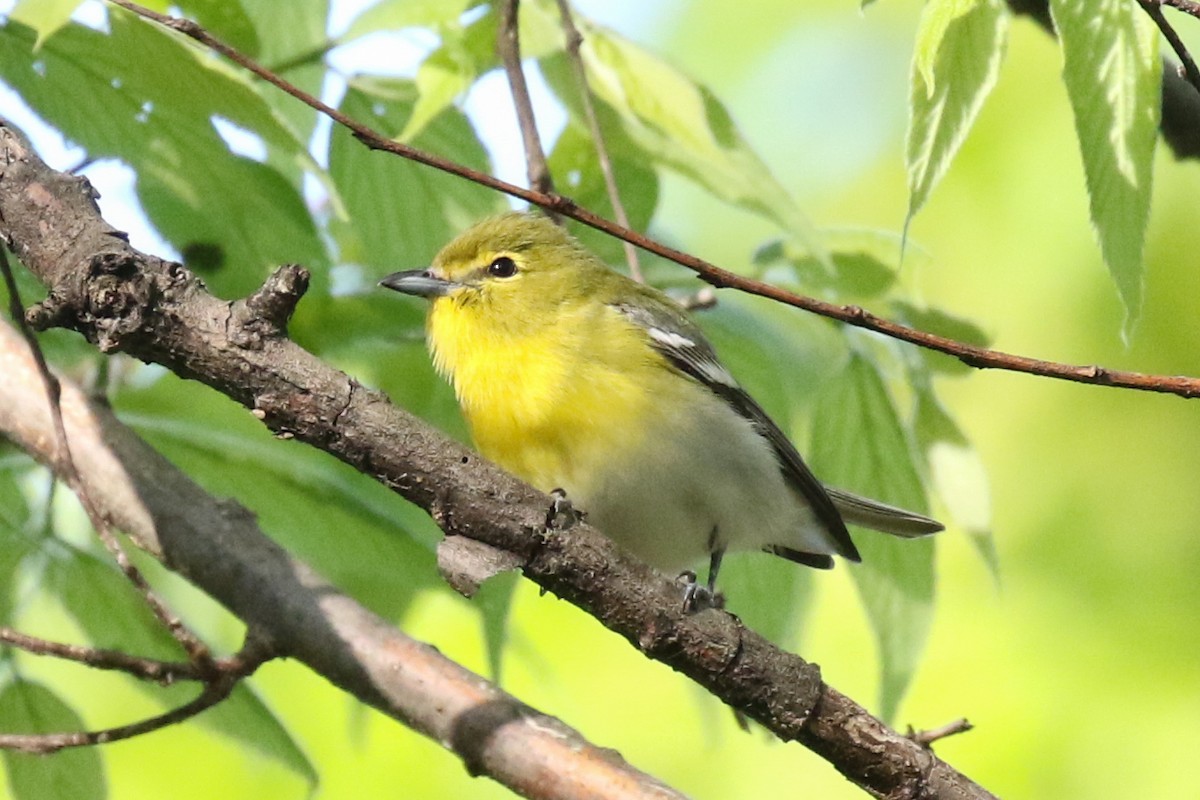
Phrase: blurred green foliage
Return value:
(1069, 639)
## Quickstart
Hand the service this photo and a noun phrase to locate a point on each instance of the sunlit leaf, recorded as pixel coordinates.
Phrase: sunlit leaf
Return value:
(395, 16)
(44, 16)
(228, 21)
(680, 123)
(858, 443)
(73, 774)
(1113, 73)
(450, 70)
(957, 58)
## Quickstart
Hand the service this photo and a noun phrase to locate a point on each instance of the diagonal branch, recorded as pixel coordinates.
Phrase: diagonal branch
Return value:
(979, 357)
(218, 546)
(159, 312)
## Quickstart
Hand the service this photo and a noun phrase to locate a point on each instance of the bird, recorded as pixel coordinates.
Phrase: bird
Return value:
(580, 380)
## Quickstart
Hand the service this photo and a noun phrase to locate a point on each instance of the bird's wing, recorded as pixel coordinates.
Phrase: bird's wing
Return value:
(681, 342)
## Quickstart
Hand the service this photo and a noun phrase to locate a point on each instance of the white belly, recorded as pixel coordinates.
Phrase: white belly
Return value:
(665, 504)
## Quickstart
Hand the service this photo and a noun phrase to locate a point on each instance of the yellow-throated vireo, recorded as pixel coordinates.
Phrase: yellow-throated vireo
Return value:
(574, 377)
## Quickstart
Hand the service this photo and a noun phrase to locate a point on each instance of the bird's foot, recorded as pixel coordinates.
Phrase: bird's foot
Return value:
(562, 515)
(698, 596)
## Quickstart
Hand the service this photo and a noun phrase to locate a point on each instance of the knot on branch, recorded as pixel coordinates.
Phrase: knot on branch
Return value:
(265, 314)
(108, 300)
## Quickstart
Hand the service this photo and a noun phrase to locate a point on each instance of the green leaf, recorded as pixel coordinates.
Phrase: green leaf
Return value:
(859, 443)
(679, 123)
(395, 15)
(450, 70)
(959, 47)
(231, 454)
(15, 543)
(109, 610)
(1113, 73)
(293, 41)
(114, 615)
(866, 262)
(494, 601)
(958, 474)
(573, 162)
(76, 773)
(143, 95)
(401, 213)
(941, 323)
(228, 21)
(244, 717)
(44, 16)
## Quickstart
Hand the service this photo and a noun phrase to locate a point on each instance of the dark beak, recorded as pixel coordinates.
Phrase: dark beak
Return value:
(419, 282)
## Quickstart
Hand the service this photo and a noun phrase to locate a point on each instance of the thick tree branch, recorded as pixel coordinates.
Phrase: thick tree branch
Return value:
(124, 300)
(971, 355)
(217, 545)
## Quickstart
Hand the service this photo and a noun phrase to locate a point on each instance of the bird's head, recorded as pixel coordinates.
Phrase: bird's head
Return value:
(512, 271)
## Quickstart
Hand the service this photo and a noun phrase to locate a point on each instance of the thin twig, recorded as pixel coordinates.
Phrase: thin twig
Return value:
(196, 650)
(979, 357)
(574, 40)
(508, 46)
(1154, 9)
(164, 672)
(927, 737)
(218, 686)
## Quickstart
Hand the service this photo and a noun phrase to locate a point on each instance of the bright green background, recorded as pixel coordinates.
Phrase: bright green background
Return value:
(1078, 668)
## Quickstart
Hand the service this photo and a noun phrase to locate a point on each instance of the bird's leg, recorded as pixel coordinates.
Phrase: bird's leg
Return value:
(562, 515)
(697, 597)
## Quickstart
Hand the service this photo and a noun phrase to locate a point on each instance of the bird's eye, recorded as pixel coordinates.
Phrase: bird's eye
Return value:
(502, 267)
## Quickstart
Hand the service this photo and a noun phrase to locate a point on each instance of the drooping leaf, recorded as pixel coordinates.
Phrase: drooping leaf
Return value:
(1113, 73)
(106, 606)
(679, 123)
(73, 774)
(859, 443)
(959, 47)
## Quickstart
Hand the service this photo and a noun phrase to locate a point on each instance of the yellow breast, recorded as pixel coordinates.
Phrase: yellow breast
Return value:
(553, 406)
